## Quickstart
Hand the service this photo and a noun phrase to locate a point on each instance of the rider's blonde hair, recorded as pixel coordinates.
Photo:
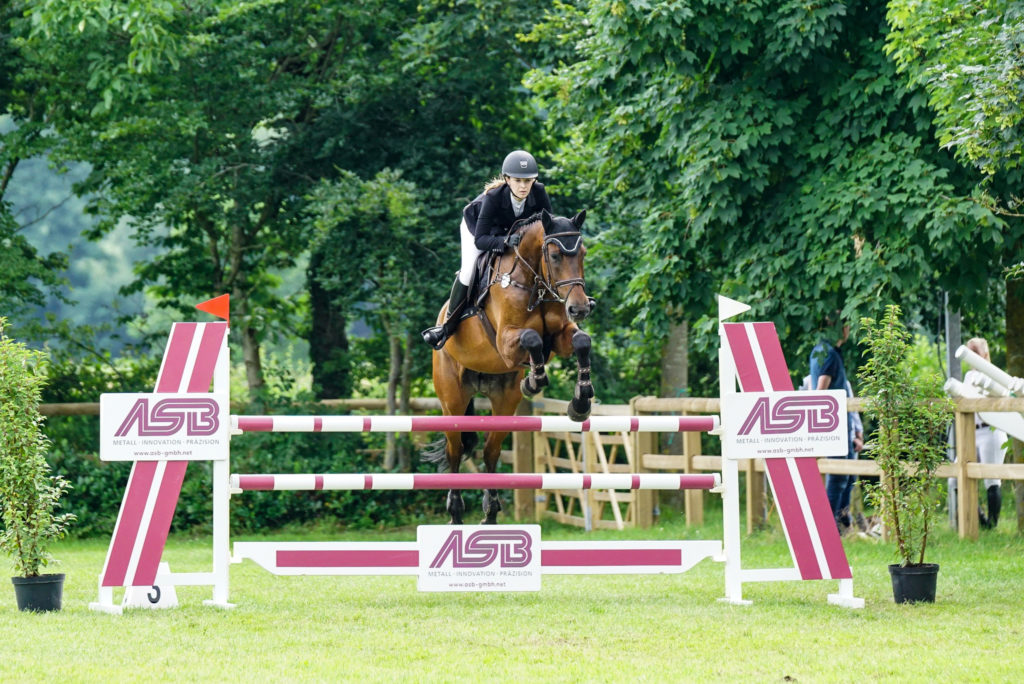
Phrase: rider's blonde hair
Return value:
(495, 182)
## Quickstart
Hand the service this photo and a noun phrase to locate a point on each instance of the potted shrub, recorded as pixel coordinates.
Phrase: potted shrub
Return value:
(911, 414)
(29, 494)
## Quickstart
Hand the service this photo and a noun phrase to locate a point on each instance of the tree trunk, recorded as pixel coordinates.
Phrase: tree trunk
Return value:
(675, 381)
(250, 346)
(1015, 367)
(328, 340)
(405, 381)
(394, 368)
(253, 364)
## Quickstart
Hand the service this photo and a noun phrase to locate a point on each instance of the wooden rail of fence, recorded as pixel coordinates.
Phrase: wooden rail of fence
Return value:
(640, 452)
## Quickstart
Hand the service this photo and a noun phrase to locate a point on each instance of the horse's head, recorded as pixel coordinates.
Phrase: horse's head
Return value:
(562, 253)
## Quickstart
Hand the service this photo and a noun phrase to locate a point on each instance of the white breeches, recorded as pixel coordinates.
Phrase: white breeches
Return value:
(469, 254)
(989, 443)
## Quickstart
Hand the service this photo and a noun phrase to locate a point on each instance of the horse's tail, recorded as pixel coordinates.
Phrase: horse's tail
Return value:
(436, 452)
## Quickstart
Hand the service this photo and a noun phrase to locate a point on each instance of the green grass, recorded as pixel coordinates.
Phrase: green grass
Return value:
(576, 629)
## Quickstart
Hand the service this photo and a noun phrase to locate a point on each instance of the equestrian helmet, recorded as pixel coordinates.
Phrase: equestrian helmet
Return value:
(519, 164)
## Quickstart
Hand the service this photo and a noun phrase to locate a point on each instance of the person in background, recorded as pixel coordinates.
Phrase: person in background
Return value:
(829, 373)
(856, 445)
(989, 443)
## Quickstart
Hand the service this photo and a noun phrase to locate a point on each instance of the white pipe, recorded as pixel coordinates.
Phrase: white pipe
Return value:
(1014, 385)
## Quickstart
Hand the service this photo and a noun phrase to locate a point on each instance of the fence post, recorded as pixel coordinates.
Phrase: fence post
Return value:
(967, 490)
(644, 500)
(525, 500)
(694, 499)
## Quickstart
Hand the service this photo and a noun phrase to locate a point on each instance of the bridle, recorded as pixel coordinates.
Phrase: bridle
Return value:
(542, 291)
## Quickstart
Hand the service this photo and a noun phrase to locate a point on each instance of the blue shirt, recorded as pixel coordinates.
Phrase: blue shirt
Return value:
(825, 360)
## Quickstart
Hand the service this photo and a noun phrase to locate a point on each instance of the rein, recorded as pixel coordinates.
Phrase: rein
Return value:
(542, 290)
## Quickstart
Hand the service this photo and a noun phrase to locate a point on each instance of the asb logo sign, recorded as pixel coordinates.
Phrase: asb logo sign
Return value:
(164, 427)
(167, 416)
(479, 558)
(511, 549)
(790, 414)
(786, 424)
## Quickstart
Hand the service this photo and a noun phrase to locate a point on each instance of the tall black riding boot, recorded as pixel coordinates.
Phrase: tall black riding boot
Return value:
(439, 334)
(995, 504)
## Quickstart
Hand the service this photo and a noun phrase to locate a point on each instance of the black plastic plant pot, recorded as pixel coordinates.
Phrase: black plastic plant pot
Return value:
(41, 593)
(914, 583)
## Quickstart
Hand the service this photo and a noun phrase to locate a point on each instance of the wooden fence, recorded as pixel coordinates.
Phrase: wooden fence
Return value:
(640, 452)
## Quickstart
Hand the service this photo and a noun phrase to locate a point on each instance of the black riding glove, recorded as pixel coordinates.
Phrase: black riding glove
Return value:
(513, 240)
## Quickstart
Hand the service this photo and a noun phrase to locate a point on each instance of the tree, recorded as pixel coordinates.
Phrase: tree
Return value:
(207, 125)
(26, 276)
(969, 57)
(371, 251)
(196, 120)
(764, 150)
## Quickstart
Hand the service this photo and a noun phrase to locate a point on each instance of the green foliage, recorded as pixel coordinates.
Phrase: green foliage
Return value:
(967, 55)
(911, 414)
(756, 149)
(373, 247)
(29, 494)
(26, 276)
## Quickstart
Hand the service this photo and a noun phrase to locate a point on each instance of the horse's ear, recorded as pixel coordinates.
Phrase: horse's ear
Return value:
(545, 219)
(577, 220)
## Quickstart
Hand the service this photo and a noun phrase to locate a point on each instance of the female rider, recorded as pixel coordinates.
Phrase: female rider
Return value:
(485, 225)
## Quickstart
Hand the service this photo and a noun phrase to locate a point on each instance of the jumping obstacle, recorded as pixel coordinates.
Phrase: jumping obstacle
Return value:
(753, 420)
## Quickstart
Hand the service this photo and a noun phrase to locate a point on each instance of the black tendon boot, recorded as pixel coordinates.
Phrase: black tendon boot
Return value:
(995, 503)
(439, 334)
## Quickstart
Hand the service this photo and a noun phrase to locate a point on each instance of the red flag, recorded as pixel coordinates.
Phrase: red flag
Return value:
(218, 306)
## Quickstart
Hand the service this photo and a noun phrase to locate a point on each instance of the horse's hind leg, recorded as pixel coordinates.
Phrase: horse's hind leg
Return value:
(491, 498)
(505, 398)
(454, 398)
(454, 504)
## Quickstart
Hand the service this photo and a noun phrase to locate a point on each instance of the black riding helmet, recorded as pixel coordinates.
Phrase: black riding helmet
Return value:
(519, 164)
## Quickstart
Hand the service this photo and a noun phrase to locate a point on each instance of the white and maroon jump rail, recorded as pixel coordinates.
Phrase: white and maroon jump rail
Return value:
(405, 481)
(241, 424)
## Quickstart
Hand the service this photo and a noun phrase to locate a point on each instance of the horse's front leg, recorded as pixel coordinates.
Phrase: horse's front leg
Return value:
(537, 379)
(574, 341)
(456, 506)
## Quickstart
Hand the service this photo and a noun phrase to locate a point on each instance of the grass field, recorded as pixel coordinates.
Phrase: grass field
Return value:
(667, 628)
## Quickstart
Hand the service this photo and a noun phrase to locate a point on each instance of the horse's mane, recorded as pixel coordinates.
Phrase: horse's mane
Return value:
(523, 223)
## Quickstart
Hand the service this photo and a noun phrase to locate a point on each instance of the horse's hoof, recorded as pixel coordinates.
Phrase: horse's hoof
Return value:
(578, 415)
(527, 389)
(489, 520)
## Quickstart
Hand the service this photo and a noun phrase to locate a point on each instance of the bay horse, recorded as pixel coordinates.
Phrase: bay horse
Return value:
(536, 297)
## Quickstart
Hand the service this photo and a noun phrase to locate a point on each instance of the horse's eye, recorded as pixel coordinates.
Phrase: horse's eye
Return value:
(556, 256)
